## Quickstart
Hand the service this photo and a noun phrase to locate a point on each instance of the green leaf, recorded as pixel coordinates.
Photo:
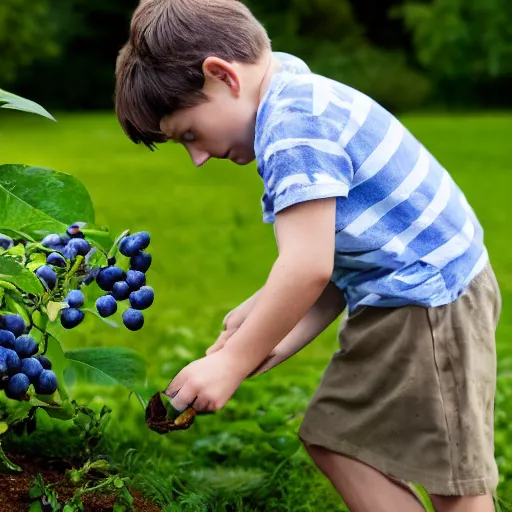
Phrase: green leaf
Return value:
(13, 102)
(59, 363)
(118, 483)
(105, 320)
(422, 496)
(37, 200)
(35, 507)
(107, 366)
(3, 428)
(14, 273)
(66, 411)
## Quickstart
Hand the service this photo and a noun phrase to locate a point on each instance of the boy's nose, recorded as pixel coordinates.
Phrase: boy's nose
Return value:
(198, 157)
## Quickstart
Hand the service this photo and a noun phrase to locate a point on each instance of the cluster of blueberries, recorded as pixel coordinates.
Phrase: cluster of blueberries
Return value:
(120, 285)
(130, 285)
(65, 247)
(19, 366)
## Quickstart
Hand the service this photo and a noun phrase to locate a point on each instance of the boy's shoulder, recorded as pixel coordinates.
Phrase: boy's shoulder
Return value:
(301, 104)
(294, 82)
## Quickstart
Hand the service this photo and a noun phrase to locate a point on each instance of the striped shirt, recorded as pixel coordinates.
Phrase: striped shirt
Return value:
(405, 233)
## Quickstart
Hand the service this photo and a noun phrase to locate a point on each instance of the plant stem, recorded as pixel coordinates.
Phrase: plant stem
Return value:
(4, 461)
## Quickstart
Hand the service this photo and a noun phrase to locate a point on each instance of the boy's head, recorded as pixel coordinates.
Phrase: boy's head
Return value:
(191, 71)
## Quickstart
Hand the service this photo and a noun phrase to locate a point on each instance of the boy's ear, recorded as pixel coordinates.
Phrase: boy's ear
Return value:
(215, 68)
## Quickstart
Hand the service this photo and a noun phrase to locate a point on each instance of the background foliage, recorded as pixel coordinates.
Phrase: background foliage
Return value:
(405, 53)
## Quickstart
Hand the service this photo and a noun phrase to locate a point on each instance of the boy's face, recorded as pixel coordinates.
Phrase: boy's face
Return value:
(223, 126)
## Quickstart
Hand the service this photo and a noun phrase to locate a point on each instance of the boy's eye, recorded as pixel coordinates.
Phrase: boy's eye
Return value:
(188, 137)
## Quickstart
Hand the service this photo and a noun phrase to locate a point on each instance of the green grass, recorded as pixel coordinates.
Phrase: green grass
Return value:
(211, 251)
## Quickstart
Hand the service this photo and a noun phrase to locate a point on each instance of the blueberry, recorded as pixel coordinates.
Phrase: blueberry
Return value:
(46, 383)
(75, 299)
(70, 252)
(3, 361)
(45, 362)
(133, 319)
(52, 240)
(18, 386)
(56, 259)
(129, 246)
(81, 245)
(106, 305)
(12, 361)
(48, 275)
(142, 298)
(58, 248)
(6, 242)
(13, 323)
(121, 290)
(7, 339)
(135, 279)
(74, 230)
(25, 346)
(142, 238)
(71, 317)
(31, 367)
(141, 261)
(108, 276)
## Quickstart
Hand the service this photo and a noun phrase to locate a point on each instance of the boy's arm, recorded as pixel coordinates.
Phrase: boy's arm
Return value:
(327, 308)
(233, 320)
(303, 269)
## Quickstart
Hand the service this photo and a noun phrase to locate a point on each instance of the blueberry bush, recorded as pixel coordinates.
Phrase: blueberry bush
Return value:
(56, 267)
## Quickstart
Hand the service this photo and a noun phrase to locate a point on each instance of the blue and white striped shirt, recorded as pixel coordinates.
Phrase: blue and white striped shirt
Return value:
(405, 233)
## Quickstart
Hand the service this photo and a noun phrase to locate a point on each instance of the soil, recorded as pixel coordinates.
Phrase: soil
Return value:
(14, 487)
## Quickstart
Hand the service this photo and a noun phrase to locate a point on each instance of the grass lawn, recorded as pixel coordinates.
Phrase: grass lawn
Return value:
(211, 251)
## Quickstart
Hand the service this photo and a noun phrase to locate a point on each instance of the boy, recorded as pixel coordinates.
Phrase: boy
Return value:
(364, 216)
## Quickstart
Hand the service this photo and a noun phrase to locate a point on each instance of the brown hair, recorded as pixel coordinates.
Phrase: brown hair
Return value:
(159, 70)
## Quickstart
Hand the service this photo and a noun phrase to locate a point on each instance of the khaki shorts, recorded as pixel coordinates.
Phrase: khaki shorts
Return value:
(411, 392)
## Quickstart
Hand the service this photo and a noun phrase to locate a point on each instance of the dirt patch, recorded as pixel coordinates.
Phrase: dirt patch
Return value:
(14, 487)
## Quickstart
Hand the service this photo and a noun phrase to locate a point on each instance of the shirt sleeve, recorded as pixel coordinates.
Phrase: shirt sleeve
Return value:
(303, 158)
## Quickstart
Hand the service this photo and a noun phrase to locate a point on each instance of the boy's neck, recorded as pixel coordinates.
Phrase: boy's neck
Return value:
(271, 66)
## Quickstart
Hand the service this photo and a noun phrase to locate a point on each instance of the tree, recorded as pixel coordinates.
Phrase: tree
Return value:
(28, 31)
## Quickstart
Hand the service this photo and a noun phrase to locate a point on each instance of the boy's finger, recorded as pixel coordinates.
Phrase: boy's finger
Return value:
(221, 341)
(176, 384)
(183, 398)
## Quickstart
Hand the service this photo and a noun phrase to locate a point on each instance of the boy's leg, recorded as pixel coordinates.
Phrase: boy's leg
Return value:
(363, 488)
(483, 503)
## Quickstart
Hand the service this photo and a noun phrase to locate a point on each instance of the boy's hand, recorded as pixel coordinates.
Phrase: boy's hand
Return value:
(221, 340)
(207, 383)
